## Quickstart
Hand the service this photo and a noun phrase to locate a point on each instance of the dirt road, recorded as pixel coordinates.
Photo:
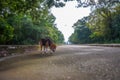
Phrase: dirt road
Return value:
(69, 62)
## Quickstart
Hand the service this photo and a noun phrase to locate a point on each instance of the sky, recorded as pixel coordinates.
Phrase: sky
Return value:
(67, 16)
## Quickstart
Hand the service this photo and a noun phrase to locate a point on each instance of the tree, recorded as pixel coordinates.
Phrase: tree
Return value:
(103, 16)
(22, 18)
(6, 32)
(103, 24)
(82, 3)
(81, 32)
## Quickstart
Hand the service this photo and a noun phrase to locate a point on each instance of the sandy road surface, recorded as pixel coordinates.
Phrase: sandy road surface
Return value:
(70, 62)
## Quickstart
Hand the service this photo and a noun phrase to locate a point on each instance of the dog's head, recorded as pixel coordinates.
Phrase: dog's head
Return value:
(53, 47)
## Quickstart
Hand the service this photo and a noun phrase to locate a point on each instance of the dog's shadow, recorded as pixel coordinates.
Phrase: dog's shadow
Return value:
(40, 55)
(37, 55)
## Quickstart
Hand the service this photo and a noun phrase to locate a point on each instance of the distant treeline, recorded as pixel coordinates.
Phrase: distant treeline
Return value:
(101, 26)
(26, 22)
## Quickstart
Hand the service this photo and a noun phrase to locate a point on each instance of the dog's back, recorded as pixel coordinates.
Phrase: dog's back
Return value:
(49, 41)
(45, 42)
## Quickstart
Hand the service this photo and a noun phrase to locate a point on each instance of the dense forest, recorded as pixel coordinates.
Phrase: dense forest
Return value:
(26, 22)
(101, 26)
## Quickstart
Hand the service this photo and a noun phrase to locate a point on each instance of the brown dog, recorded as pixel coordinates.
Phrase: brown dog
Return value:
(47, 43)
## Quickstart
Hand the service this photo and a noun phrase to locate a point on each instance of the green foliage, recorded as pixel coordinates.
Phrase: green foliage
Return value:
(26, 22)
(103, 24)
(82, 3)
(28, 32)
(6, 32)
(81, 33)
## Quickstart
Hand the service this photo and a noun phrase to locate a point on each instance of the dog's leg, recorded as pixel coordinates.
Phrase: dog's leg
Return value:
(41, 49)
(47, 46)
(51, 52)
(44, 49)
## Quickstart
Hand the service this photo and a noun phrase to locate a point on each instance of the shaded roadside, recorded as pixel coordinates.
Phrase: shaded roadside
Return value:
(8, 50)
